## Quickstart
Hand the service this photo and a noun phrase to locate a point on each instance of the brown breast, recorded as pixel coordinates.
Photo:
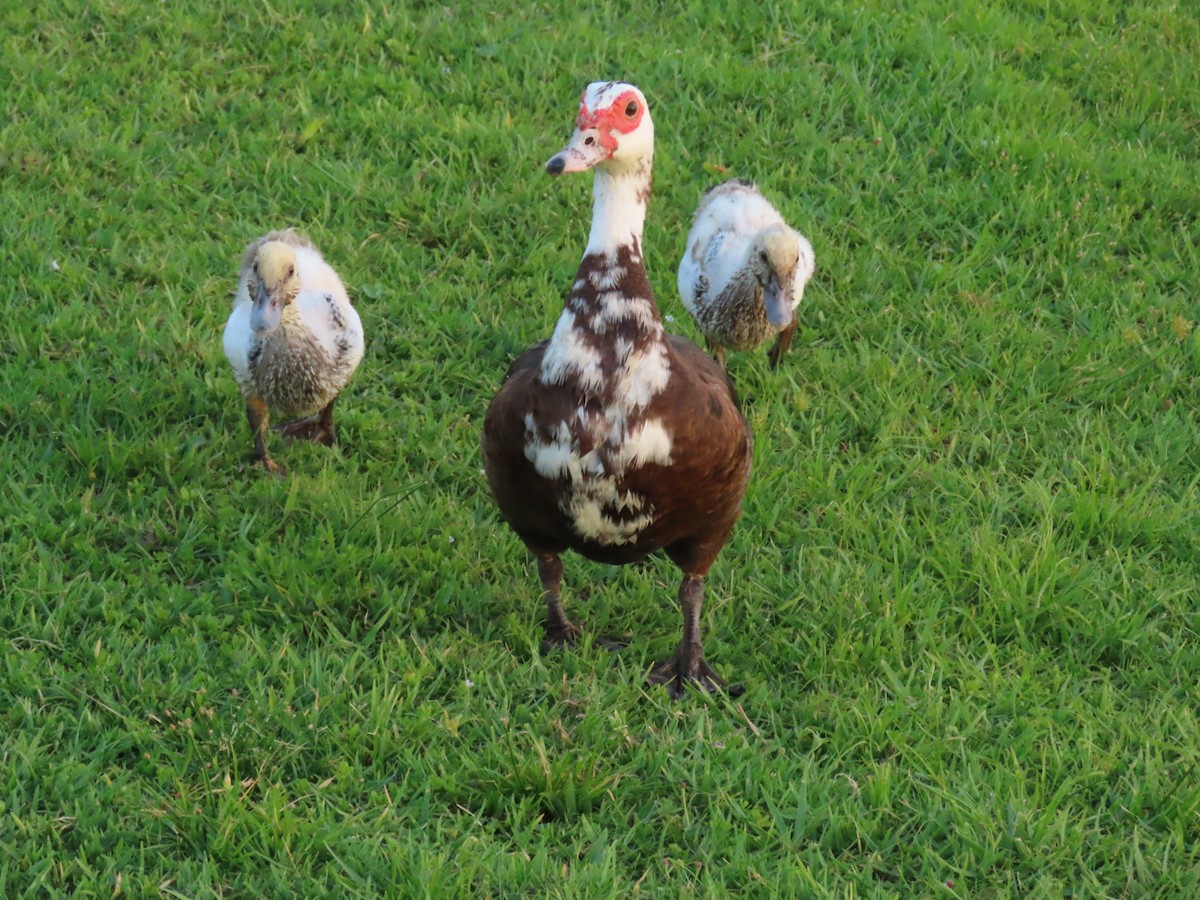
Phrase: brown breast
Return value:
(613, 439)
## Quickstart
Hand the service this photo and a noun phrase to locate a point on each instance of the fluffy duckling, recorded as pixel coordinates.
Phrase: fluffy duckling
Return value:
(744, 271)
(293, 339)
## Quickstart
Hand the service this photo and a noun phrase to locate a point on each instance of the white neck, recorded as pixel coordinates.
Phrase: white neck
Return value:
(618, 208)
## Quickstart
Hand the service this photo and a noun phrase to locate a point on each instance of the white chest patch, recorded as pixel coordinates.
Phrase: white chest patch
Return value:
(610, 356)
(570, 355)
(616, 307)
(599, 508)
(607, 278)
(643, 376)
(592, 509)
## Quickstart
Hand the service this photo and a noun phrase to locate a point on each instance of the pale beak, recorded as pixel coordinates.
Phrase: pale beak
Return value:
(778, 301)
(266, 312)
(583, 152)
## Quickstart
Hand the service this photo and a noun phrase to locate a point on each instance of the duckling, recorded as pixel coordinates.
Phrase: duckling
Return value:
(614, 438)
(293, 340)
(744, 270)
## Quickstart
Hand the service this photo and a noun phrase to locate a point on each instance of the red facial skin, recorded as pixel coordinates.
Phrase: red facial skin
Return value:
(609, 118)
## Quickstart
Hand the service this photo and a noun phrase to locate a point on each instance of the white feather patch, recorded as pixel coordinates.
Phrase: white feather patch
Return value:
(568, 354)
(616, 307)
(648, 442)
(644, 377)
(607, 278)
(587, 511)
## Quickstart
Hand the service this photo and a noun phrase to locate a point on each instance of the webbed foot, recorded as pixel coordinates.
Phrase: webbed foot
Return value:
(678, 672)
(310, 428)
(271, 466)
(559, 636)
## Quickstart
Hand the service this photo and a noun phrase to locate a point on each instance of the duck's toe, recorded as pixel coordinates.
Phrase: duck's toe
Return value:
(678, 672)
(309, 428)
(559, 636)
(271, 466)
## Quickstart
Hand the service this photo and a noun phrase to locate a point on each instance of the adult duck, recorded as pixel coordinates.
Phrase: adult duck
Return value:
(743, 272)
(293, 340)
(613, 438)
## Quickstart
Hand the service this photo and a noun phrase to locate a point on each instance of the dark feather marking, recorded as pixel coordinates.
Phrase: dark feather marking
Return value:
(335, 312)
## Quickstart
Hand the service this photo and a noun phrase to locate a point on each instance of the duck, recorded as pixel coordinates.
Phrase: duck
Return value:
(743, 271)
(293, 340)
(613, 438)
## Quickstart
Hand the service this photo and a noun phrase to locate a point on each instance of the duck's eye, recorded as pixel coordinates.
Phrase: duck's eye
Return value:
(589, 141)
(291, 271)
(631, 109)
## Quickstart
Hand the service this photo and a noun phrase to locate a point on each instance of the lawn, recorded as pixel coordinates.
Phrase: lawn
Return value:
(963, 593)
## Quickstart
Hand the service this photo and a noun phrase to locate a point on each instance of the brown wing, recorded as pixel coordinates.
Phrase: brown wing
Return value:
(526, 500)
(697, 498)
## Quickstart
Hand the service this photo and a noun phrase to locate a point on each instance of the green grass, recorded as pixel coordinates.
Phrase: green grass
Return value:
(963, 593)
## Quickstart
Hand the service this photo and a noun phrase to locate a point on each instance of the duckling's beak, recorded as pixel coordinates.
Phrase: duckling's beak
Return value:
(583, 152)
(778, 301)
(266, 311)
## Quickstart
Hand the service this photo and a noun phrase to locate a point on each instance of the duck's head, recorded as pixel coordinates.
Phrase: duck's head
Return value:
(776, 257)
(274, 283)
(612, 131)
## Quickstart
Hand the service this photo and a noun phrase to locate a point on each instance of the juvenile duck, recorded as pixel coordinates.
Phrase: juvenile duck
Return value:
(743, 272)
(293, 339)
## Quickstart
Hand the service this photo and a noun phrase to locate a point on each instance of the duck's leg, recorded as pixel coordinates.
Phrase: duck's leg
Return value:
(559, 630)
(688, 666)
(318, 429)
(775, 354)
(258, 417)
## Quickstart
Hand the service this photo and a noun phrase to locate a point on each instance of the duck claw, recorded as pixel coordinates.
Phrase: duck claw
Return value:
(677, 673)
(564, 636)
(310, 428)
(272, 467)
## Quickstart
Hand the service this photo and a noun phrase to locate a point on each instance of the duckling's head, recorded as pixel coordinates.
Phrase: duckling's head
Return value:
(274, 283)
(779, 258)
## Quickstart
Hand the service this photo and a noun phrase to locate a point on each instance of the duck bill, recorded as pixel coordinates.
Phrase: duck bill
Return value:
(265, 313)
(581, 154)
(778, 302)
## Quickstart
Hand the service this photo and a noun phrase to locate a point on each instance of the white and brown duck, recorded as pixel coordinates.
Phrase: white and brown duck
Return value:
(613, 438)
(743, 271)
(293, 339)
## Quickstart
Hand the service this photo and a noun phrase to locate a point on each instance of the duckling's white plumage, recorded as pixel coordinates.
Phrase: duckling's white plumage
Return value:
(293, 339)
(743, 271)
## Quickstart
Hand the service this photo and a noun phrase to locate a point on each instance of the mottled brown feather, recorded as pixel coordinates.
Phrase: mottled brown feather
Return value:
(696, 499)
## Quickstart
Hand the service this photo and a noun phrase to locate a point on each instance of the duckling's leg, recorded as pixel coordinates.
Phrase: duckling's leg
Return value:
(559, 630)
(318, 429)
(326, 433)
(258, 417)
(775, 354)
(688, 666)
(717, 351)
